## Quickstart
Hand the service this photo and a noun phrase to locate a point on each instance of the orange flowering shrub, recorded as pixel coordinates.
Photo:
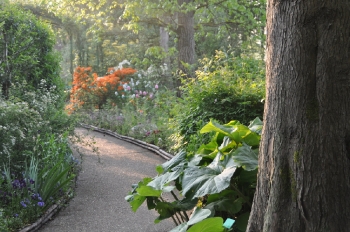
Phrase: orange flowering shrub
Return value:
(90, 90)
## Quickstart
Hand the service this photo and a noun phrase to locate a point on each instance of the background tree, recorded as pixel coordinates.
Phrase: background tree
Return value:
(26, 49)
(176, 33)
(304, 162)
(202, 27)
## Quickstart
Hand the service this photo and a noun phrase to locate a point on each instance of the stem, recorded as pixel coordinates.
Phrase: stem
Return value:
(184, 212)
(178, 222)
(241, 195)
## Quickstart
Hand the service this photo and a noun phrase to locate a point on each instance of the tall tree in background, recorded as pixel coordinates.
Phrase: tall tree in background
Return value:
(26, 50)
(217, 24)
(185, 32)
(304, 162)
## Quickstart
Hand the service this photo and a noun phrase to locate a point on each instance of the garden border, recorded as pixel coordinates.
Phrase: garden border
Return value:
(41, 221)
(56, 207)
(140, 143)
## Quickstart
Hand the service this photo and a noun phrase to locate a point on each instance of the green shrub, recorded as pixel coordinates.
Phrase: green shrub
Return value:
(26, 45)
(218, 181)
(225, 87)
(26, 116)
(48, 175)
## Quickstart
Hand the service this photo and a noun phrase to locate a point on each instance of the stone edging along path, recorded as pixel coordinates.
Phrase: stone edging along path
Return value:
(55, 208)
(140, 143)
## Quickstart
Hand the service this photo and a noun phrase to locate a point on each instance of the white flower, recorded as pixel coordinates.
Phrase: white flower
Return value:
(116, 93)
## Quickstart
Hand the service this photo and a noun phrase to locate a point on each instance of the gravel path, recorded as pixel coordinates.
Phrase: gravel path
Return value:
(102, 184)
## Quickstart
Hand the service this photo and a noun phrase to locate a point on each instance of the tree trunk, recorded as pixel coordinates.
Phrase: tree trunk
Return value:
(71, 68)
(5, 73)
(164, 43)
(304, 166)
(186, 44)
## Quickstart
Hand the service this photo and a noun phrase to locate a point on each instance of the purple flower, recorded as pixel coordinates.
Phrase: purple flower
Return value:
(128, 88)
(41, 204)
(16, 184)
(15, 215)
(156, 86)
(35, 196)
(151, 95)
(137, 96)
(31, 181)
(23, 204)
(136, 91)
(144, 93)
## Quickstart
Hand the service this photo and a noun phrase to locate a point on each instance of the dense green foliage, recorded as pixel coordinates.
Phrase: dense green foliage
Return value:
(36, 162)
(219, 179)
(229, 84)
(25, 117)
(26, 48)
(101, 34)
(225, 87)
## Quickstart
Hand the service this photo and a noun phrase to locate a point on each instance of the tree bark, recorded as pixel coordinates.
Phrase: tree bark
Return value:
(164, 43)
(186, 43)
(304, 166)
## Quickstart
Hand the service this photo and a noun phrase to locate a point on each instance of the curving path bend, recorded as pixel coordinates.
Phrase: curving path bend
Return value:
(104, 181)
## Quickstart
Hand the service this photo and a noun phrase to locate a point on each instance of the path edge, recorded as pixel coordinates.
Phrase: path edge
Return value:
(137, 142)
(56, 207)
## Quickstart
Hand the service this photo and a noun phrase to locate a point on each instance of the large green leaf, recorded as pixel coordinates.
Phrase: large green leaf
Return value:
(214, 126)
(148, 191)
(162, 182)
(198, 215)
(227, 144)
(235, 131)
(217, 196)
(256, 126)
(136, 201)
(246, 157)
(176, 160)
(134, 198)
(165, 210)
(208, 148)
(227, 204)
(211, 179)
(242, 222)
(208, 225)
(252, 139)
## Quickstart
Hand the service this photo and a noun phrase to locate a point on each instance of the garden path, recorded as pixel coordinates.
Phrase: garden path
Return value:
(104, 181)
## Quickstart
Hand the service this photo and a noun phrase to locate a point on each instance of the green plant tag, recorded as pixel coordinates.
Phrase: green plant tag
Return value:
(229, 223)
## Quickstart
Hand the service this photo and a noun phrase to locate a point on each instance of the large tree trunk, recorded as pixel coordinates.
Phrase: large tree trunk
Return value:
(304, 166)
(186, 44)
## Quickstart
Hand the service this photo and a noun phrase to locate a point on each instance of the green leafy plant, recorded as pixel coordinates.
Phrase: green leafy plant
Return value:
(47, 178)
(225, 87)
(218, 180)
(26, 45)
